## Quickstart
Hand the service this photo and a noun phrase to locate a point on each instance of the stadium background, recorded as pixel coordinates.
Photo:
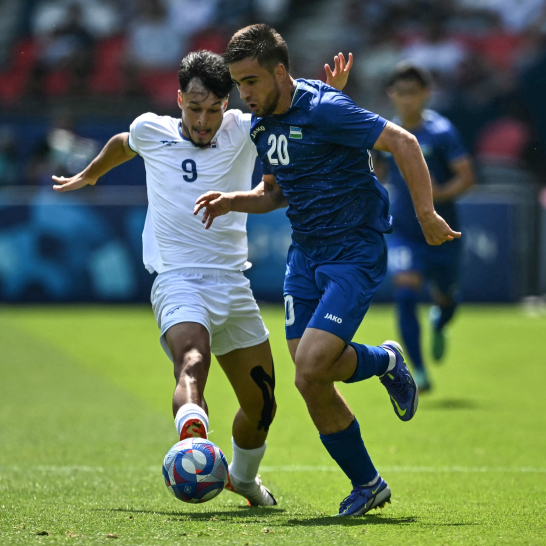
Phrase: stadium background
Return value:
(73, 73)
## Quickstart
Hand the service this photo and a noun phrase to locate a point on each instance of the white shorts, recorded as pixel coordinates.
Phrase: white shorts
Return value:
(220, 300)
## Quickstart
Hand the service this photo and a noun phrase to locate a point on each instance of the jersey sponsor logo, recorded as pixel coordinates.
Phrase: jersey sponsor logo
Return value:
(295, 132)
(257, 130)
(168, 142)
(329, 316)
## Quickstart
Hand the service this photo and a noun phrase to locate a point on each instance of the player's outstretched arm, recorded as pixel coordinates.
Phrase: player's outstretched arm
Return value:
(115, 152)
(265, 197)
(409, 158)
(338, 78)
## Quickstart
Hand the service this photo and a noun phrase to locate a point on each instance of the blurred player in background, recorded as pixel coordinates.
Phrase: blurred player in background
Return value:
(411, 260)
(201, 299)
(314, 143)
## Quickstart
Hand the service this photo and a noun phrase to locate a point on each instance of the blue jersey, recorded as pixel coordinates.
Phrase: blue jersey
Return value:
(441, 144)
(318, 152)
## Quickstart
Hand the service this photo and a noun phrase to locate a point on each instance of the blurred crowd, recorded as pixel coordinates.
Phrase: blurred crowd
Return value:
(488, 61)
(116, 47)
(487, 57)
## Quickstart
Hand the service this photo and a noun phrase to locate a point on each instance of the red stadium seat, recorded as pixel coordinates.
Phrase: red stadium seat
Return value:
(160, 86)
(211, 40)
(14, 80)
(57, 83)
(108, 74)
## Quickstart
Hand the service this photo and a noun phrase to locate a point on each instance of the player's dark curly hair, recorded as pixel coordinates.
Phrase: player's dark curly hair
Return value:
(406, 71)
(210, 68)
(258, 42)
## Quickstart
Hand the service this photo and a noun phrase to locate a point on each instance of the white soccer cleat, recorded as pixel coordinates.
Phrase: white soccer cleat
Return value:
(254, 492)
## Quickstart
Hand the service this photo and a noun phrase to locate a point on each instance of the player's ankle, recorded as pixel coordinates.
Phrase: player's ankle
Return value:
(392, 361)
(191, 421)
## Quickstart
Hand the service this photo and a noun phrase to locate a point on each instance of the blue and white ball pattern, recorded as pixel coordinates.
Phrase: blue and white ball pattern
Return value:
(195, 470)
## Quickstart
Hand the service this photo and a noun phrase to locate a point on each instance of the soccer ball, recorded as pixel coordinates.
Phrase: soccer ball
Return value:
(195, 470)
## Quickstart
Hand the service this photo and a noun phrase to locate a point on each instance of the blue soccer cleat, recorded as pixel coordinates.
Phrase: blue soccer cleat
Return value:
(363, 499)
(400, 384)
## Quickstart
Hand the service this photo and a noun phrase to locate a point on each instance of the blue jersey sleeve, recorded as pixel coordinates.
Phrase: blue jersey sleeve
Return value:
(452, 144)
(265, 168)
(341, 121)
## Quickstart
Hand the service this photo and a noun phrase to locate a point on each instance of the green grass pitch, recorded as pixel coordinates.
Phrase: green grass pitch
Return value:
(85, 420)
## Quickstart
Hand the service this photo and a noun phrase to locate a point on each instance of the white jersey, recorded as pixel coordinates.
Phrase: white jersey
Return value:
(177, 173)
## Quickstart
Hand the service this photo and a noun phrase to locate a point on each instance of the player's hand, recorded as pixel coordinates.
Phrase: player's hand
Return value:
(338, 78)
(215, 204)
(436, 230)
(73, 183)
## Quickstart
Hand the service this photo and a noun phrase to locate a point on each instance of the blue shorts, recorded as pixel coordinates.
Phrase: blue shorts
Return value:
(439, 265)
(331, 287)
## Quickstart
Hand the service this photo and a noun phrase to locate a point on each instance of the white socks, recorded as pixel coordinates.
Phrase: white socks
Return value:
(190, 411)
(245, 463)
(392, 359)
(373, 482)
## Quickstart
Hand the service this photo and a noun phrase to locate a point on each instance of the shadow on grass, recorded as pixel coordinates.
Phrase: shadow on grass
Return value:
(363, 521)
(451, 404)
(242, 512)
(370, 519)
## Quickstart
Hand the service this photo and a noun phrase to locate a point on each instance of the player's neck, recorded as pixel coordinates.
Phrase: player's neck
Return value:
(412, 122)
(287, 94)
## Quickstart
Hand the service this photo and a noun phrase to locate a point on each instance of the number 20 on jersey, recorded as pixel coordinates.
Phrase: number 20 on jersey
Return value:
(278, 146)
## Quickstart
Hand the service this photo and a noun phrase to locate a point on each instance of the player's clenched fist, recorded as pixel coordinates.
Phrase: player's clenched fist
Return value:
(215, 204)
(437, 231)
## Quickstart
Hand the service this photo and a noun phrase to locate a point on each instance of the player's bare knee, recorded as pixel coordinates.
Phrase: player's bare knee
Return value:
(408, 279)
(308, 384)
(312, 369)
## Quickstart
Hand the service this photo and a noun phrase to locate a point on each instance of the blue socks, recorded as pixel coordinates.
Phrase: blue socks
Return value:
(406, 304)
(348, 451)
(370, 361)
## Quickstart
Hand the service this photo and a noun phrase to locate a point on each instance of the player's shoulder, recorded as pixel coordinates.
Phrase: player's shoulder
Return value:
(315, 94)
(234, 118)
(153, 122)
(436, 124)
(320, 104)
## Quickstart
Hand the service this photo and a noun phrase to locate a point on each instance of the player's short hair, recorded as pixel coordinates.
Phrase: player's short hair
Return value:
(258, 42)
(208, 67)
(406, 71)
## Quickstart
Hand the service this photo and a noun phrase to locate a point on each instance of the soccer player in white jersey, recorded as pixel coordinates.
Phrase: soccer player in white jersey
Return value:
(201, 299)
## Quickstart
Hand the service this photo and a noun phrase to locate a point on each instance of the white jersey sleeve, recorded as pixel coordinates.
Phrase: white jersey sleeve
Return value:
(243, 121)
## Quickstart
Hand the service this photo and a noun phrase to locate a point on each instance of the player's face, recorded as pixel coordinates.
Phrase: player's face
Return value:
(409, 97)
(258, 87)
(202, 113)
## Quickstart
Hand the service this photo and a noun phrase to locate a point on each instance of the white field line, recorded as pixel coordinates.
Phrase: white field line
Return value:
(51, 469)
(410, 469)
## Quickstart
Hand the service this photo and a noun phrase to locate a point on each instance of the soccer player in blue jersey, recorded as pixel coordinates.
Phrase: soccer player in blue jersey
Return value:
(411, 260)
(314, 143)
